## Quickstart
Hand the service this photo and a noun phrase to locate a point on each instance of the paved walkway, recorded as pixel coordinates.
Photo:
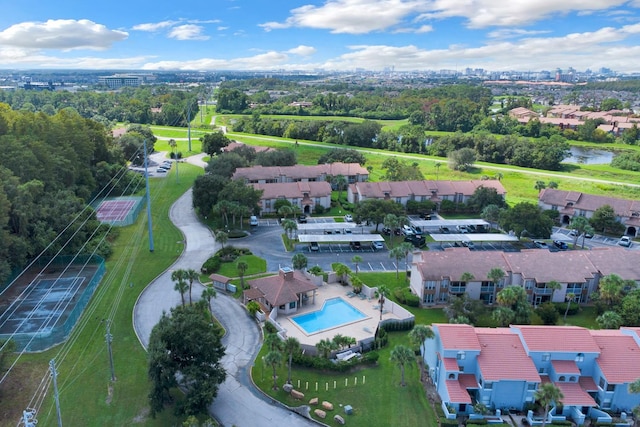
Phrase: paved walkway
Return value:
(237, 403)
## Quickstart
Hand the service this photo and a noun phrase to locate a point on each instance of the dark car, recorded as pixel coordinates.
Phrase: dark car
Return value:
(386, 231)
(444, 230)
(314, 247)
(425, 216)
(560, 245)
(416, 241)
(302, 219)
(355, 245)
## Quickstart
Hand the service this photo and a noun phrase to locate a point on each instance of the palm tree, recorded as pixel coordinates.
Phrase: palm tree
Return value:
(289, 226)
(180, 276)
(540, 185)
(208, 293)
(547, 394)
(299, 261)
(496, 274)
(398, 254)
(325, 346)
(610, 289)
(291, 345)
(554, 286)
(392, 222)
(242, 268)
(570, 297)
(356, 284)
(340, 181)
(498, 176)
(579, 223)
(342, 271)
(273, 342)
(437, 165)
(357, 259)
(182, 287)
(273, 359)
(466, 277)
(407, 248)
(222, 237)
(285, 211)
(402, 355)
(191, 275)
(382, 291)
(253, 307)
(419, 334)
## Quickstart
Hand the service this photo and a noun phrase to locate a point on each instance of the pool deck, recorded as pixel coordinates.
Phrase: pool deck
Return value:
(360, 329)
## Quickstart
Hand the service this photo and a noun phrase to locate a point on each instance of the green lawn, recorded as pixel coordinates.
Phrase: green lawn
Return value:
(376, 396)
(87, 397)
(256, 266)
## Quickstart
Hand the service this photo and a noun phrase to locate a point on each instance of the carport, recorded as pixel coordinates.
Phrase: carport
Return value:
(339, 238)
(475, 238)
(449, 223)
(315, 228)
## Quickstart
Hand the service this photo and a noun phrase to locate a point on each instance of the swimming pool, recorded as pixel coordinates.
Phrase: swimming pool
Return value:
(334, 312)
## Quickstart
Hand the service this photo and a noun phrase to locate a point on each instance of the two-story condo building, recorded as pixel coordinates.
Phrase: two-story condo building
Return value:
(352, 172)
(304, 195)
(434, 191)
(502, 368)
(437, 275)
(570, 204)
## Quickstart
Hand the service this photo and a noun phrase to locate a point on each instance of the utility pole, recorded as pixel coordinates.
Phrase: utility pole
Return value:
(28, 417)
(146, 174)
(109, 338)
(189, 124)
(54, 376)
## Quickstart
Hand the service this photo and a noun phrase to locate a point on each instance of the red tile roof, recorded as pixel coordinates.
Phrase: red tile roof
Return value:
(457, 393)
(619, 356)
(588, 202)
(558, 338)
(563, 267)
(468, 381)
(293, 189)
(457, 337)
(454, 262)
(377, 190)
(450, 364)
(587, 384)
(574, 395)
(565, 367)
(502, 357)
(284, 287)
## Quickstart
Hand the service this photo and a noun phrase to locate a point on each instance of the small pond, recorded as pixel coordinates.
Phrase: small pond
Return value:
(589, 156)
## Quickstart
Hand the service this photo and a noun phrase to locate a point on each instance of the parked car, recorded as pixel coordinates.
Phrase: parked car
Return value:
(444, 230)
(416, 241)
(377, 246)
(253, 220)
(625, 241)
(161, 170)
(560, 245)
(540, 244)
(355, 245)
(302, 219)
(573, 233)
(386, 231)
(425, 216)
(462, 229)
(314, 247)
(347, 231)
(167, 164)
(468, 244)
(348, 218)
(407, 230)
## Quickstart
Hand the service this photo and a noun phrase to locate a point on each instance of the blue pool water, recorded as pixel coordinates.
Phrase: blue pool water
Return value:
(334, 312)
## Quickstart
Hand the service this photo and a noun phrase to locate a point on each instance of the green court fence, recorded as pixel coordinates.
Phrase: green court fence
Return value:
(50, 336)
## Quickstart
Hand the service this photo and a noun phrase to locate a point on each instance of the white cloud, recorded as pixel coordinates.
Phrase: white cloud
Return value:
(65, 34)
(154, 26)
(365, 16)
(302, 50)
(27, 58)
(485, 13)
(420, 30)
(222, 28)
(350, 16)
(508, 33)
(187, 32)
(263, 61)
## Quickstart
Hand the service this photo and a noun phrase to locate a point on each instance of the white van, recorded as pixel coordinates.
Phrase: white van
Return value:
(253, 220)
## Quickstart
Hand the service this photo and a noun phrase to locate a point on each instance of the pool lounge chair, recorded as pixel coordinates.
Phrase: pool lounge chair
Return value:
(351, 294)
(362, 296)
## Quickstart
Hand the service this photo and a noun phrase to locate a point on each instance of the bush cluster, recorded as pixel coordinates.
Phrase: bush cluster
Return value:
(404, 296)
(399, 325)
(226, 254)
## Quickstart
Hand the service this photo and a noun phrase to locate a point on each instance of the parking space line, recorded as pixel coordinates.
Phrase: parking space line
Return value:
(382, 265)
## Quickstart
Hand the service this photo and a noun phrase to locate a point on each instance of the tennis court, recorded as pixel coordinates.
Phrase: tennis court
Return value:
(119, 211)
(42, 306)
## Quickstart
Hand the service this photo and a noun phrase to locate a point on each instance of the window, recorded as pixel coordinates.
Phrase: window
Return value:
(580, 357)
(611, 387)
(488, 386)
(529, 284)
(430, 284)
(429, 298)
(292, 304)
(542, 370)
(602, 383)
(460, 355)
(531, 386)
(572, 379)
(452, 376)
(562, 378)
(546, 357)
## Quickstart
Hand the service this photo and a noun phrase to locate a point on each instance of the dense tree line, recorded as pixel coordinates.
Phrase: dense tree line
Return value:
(51, 167)
(158, 105)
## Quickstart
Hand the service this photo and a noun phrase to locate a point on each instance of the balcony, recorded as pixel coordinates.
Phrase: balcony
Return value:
(542, 291)
(487, 289)
(457, 289)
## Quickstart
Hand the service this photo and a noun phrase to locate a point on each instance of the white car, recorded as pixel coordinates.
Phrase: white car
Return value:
(377, 245)
(161, 170)
(348, 218)
(625, 241)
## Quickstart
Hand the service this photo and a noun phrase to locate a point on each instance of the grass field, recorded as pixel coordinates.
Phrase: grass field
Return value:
(87, 397)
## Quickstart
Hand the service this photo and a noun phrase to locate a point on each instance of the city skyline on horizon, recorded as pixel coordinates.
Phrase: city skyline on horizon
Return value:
(330, 35)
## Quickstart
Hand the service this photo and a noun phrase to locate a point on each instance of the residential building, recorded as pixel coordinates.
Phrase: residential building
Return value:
(502, 368)
(352, 172)
(286, 291)
(434, 191)
(438, 275)
(305, 195)
(570, 204)
(257, 148)
(117, 81)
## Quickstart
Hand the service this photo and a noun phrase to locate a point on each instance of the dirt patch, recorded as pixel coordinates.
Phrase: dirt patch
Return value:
(141, 417)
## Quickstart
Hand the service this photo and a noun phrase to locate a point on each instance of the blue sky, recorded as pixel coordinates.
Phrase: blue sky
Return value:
(525, 35)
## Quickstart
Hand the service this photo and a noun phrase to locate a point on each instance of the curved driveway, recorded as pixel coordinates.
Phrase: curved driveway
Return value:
(237, 403)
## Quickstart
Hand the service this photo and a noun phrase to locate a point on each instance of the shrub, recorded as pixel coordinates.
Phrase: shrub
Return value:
(269, 328)
(319, 209)
(371, 357)
(212, 265)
